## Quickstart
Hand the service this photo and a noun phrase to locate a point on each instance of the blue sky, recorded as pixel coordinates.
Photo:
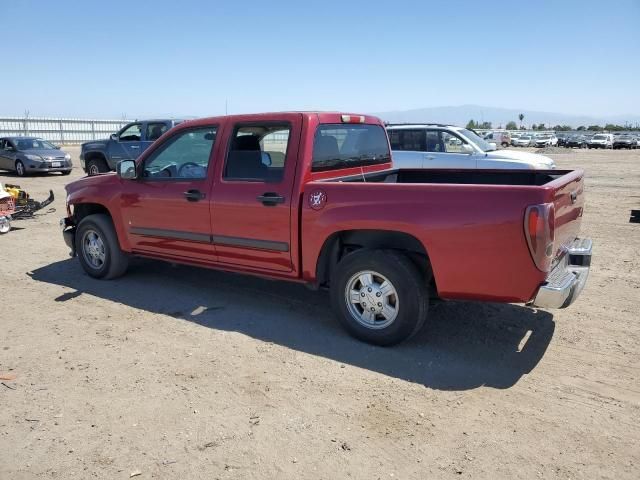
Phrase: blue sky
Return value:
(148, 58)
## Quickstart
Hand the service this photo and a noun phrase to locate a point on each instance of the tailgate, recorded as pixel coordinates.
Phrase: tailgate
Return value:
(568, 201)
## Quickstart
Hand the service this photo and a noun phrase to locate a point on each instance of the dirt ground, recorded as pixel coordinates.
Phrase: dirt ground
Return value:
(183, 373)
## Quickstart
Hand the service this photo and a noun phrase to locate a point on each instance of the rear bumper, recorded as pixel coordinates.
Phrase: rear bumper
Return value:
(567, 279)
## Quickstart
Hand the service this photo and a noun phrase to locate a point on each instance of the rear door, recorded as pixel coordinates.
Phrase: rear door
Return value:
(251, 199)
(166, 211)
(4, 158)
(408, 146)
(151, 132)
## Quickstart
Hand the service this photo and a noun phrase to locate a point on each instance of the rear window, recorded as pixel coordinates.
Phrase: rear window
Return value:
(348, 145)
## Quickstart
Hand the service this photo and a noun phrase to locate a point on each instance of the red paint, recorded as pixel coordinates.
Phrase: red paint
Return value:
(474, 234)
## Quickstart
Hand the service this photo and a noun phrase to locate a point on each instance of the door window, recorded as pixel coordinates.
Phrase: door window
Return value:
(407, 140)
(257, 153)
(131, 134)
(433, 141)
(3, 144)
(155, 130)
(185, 155)
(451, 143)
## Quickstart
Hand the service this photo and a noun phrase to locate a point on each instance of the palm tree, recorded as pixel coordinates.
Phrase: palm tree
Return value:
(521, 117)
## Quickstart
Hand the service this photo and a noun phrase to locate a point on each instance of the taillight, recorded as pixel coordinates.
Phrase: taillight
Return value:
(352, 118)
(539, 228)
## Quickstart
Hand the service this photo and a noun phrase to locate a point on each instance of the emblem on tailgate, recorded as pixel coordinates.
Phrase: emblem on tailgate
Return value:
(317, 200)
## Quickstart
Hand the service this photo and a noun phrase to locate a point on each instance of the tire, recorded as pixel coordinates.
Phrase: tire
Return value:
(5, 225)
(505, 144)
(21, 171)
(105, 260)
(96, 166)
(408, 301)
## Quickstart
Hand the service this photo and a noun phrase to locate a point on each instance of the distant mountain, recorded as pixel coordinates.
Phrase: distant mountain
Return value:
(460, 115)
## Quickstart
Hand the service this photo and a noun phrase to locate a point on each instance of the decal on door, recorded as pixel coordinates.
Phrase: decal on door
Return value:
(317, 200)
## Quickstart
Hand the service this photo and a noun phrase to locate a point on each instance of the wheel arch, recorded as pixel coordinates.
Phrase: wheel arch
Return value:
(341, 243)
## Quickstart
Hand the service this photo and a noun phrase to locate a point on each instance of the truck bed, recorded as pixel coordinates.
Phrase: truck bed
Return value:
(461, 177)
(470, 222)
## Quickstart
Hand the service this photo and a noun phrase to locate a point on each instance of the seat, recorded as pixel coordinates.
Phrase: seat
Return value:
(156, 133)
(245, 159)
(325, 148)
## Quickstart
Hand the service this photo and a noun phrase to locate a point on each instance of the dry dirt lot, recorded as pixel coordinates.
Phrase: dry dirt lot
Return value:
(182, 373)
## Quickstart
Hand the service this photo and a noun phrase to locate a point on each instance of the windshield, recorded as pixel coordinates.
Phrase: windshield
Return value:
(33, 144)
(525, 137)
(348, 145)
(599, 137)
(471, 136)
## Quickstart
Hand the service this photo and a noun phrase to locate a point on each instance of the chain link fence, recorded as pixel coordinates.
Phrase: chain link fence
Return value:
(63, 131)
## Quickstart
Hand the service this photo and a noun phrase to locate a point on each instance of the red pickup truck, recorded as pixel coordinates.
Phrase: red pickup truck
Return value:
(312, 197)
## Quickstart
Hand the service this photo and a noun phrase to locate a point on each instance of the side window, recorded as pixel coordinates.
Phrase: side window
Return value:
(131, 134)
(407, 140)
(185, 155)
(155, 131)
(3, 145)
(257, 153)
(452, 143)
(433, 141)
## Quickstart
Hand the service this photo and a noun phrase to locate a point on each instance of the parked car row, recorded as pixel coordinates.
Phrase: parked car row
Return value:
(414, 146)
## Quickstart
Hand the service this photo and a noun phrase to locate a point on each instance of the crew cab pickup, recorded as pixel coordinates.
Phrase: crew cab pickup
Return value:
(100, 156)
(312, 198)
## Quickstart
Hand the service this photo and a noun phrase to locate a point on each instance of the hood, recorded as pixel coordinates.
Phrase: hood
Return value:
(525, 157)
(95, 181)
(45, 152)
(95, 143)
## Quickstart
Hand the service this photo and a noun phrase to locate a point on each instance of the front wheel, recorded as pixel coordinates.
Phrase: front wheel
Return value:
(20, 170)
(5, 225)
(96, 166)
(98, 248)
(380, 296)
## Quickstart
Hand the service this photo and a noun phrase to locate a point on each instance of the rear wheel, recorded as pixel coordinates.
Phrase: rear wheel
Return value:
(20, 170)
(380, 296)
(96, 166)
(98, 248)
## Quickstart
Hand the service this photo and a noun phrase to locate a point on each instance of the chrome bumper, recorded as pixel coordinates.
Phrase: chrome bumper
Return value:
(567, 279)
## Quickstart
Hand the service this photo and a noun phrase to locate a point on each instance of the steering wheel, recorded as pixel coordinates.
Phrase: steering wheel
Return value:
(190, 165)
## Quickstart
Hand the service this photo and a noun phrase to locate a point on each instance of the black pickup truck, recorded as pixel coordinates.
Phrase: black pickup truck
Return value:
(100, 156)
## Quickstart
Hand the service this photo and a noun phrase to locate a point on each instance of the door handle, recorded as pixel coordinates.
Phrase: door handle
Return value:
(270, 199)
(193, 195)
(135, 146)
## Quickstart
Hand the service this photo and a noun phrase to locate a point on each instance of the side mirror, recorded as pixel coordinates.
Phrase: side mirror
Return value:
(266, 159)
(57, 147)
(466, 148)
(114, 136)
(126, 170)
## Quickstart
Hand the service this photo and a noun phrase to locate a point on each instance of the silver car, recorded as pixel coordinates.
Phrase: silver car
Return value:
(25, 155)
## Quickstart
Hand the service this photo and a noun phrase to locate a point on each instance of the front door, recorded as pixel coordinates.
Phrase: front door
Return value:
(166, 211)
(251, 209)
(445, 150)
(128, 145)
